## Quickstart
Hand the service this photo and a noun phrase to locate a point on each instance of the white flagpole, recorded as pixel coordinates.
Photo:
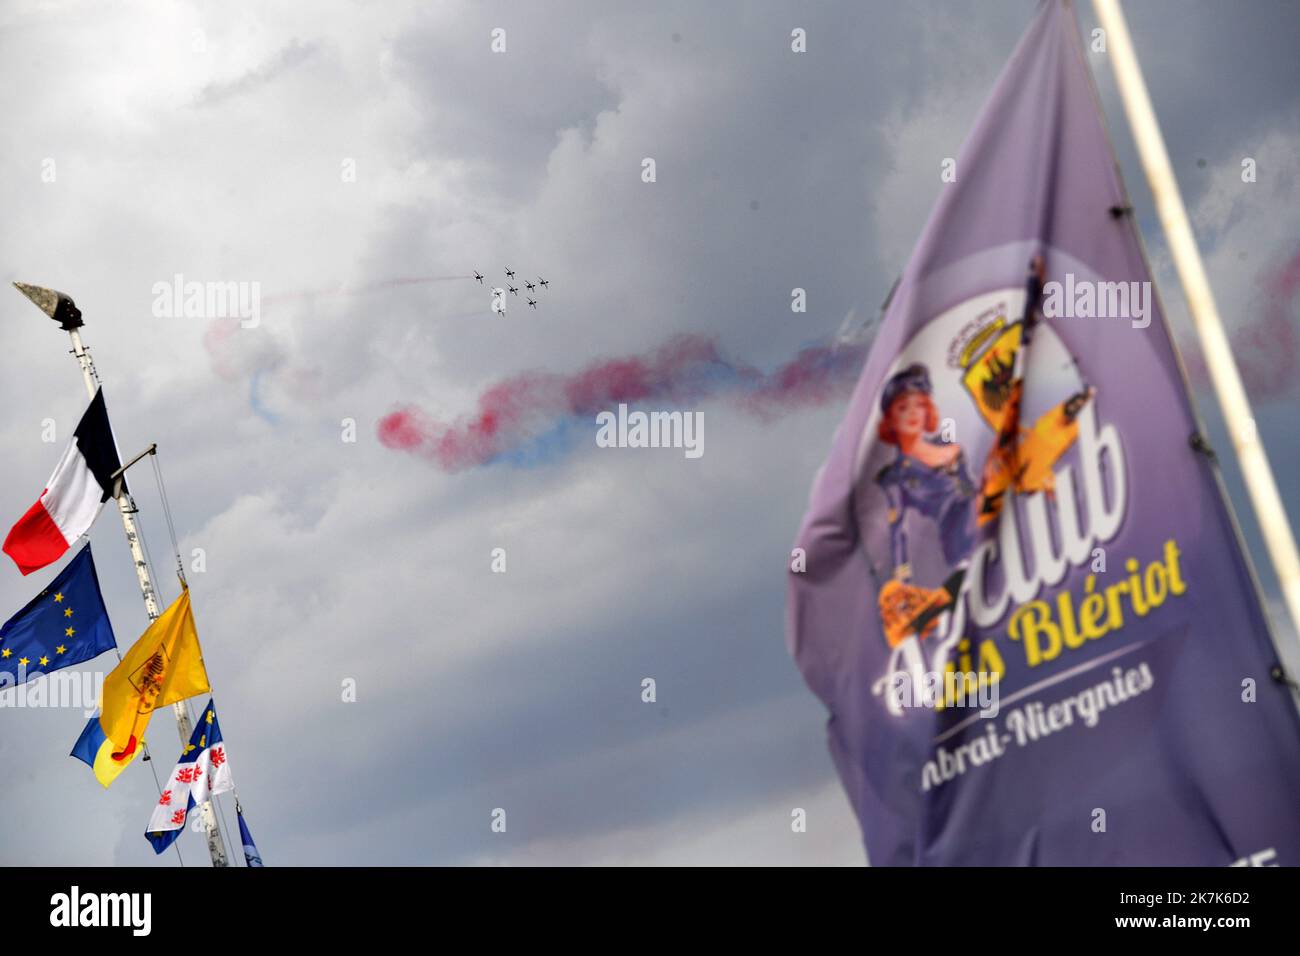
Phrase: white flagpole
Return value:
(50, 303)
(1228, 388)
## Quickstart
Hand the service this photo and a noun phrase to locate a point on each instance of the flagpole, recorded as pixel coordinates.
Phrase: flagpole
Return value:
(1224, 375)
(61, 308)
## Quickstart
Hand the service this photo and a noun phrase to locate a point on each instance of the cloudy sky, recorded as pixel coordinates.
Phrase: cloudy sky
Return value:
(325, 150)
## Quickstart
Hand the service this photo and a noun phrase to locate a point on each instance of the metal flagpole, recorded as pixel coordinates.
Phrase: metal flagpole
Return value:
(1231, 394)
(61, 308)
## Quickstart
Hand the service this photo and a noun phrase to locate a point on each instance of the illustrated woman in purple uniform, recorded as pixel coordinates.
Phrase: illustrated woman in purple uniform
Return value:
(928, 476)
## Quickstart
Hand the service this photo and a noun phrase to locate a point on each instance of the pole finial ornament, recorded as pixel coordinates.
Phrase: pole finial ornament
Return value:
(57, 305)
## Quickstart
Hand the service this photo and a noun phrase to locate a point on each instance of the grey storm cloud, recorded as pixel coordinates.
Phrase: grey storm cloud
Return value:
(330, 147)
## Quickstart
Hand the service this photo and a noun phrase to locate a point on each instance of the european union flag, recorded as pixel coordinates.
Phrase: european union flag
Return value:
(65, 624)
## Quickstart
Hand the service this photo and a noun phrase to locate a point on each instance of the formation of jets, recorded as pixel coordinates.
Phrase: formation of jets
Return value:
(498, 304)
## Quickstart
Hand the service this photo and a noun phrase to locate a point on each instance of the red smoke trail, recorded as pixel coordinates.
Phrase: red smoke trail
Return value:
(523, 409)
(817, 375)
(1266, 347)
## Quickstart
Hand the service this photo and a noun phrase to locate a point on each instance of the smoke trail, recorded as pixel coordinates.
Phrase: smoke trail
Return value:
(342, 290)
(263, 360)
(255, 400)
(235, 356)
(1266, 347)
(535, 417)
(531, 417)
(817, 375)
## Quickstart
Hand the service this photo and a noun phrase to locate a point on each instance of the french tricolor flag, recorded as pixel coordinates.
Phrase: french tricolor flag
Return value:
(76, 491)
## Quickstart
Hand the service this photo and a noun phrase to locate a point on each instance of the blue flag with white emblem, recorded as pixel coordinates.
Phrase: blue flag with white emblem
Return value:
(65, 624)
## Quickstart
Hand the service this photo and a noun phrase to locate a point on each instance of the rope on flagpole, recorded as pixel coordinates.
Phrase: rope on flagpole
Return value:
(148, 555)
(223, 824)
(221, 815)
(167, 512)
(180, 573)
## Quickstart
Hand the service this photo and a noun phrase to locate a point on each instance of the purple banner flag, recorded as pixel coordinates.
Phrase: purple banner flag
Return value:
(1021, 594)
